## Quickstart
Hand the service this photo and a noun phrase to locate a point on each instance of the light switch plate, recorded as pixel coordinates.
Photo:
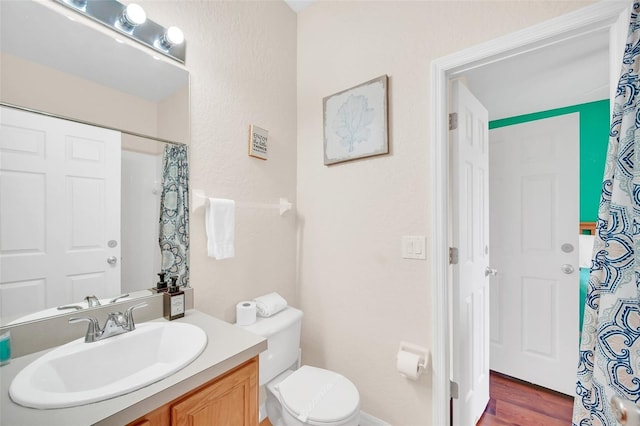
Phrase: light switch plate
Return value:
(414, 247)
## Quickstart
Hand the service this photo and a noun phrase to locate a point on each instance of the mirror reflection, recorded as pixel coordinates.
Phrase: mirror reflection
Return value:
(102, 215)
(57, 61)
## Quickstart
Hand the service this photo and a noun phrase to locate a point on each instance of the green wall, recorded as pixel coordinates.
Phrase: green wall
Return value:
(594, 138)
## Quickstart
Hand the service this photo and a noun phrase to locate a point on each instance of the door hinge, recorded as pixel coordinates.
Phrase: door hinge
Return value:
(453, 121)
(453, 255)
(453, 389)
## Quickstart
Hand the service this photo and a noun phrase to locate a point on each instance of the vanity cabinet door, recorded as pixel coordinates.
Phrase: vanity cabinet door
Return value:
(229, 400)
(159, 417)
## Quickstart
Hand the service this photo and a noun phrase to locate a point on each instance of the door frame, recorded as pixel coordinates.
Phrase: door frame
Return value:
(599, 16)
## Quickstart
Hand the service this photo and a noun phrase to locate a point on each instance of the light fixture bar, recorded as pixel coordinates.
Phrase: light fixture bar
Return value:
(111, 13)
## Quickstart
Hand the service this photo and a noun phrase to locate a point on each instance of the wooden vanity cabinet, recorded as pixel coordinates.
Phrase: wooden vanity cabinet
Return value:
(231, 399)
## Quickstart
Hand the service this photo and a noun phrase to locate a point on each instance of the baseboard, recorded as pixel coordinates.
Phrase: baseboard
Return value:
(262, 413)
(365, 418)
(369, 420)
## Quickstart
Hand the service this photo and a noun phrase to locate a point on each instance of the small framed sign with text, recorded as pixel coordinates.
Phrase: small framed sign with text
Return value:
(258, 142)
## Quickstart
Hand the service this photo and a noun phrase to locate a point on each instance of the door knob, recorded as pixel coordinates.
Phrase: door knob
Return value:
(490, 271)
(567, 269)
(112, 260)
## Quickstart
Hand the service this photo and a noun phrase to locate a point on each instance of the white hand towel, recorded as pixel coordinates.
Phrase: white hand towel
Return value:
(270, 304)
(220, 226)
(585, 249)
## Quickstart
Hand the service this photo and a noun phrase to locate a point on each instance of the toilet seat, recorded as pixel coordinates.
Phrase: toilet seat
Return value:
(317, 396)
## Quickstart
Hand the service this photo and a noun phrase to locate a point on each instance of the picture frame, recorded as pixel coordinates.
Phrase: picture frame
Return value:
(258, 138)
(355, 122)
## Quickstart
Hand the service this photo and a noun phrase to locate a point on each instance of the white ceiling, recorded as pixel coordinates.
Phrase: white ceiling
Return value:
(564, 74)
(38, 33)
(298, 5)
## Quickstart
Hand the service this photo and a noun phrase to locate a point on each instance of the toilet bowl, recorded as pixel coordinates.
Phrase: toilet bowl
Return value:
(312, 396)
(306, 395)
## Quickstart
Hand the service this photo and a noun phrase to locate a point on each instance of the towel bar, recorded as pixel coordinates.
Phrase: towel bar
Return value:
(200, 200)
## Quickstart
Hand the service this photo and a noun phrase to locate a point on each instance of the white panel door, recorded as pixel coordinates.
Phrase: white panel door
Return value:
(59, 208)
(534, 235)
(470, 202)
(141, 184)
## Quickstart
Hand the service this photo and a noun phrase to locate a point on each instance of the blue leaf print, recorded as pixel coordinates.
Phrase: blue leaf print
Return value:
(352, 121)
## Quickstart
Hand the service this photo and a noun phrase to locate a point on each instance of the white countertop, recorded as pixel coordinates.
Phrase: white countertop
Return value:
(227, 347)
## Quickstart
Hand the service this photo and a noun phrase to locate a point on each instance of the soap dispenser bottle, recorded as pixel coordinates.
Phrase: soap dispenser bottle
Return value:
(174, 301)
(162, 285)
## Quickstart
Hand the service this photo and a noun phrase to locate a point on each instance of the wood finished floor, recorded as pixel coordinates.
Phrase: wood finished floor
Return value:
(516, 403)
(265, 422)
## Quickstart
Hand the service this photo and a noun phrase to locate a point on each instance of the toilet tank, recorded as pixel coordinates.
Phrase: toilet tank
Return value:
(282, 332)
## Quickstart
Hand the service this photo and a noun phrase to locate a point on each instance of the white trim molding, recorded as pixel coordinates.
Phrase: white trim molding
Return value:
(599, 16)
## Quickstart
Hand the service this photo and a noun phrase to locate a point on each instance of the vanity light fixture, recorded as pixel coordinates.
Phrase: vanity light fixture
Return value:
(79, 3)
(131, 20)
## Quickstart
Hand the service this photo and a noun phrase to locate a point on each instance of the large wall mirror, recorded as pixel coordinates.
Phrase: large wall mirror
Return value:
(59, 63)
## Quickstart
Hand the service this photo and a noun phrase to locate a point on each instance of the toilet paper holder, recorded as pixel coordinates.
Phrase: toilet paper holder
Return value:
(421, 352)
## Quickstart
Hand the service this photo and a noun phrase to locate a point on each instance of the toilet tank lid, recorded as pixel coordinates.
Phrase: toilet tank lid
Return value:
(266, 326)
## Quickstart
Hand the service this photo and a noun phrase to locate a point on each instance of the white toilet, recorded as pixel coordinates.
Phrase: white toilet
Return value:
(308, 395)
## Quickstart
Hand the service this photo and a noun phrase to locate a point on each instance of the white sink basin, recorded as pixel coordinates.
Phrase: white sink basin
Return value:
(79, 373)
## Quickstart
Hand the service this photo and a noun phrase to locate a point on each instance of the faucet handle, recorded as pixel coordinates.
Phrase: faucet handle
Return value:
(122, 296)
(128, 315)
(92, 329)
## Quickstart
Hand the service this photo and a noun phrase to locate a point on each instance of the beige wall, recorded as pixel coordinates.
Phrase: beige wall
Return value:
(173, 113)
(32, 85)
(35, 86)
(242, 62)
(359, 297)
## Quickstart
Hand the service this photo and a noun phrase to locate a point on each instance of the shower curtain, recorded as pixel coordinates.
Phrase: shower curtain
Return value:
(174, 213)
(609, 362)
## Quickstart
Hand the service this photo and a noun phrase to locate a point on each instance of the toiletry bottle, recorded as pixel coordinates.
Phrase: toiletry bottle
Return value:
(5, 348)
(162, 284)
(174, 301)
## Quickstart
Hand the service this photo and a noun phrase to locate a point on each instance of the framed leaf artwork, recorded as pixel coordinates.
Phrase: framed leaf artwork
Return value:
(356, 123)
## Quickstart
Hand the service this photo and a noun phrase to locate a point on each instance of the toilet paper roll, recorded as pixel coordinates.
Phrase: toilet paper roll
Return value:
(246, 312)
(409, 364)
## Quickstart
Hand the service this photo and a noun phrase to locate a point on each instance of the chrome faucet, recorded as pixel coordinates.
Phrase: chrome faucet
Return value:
(92, 301)
(117, 323)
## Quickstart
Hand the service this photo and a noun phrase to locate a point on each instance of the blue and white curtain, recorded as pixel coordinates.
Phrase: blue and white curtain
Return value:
(610, 349)
(174, 213)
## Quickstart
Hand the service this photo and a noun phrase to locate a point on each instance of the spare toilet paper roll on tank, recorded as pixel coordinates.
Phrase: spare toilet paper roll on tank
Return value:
(246, 312)
(409, 364)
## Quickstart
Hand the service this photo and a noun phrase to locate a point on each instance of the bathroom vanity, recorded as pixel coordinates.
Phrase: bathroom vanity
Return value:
(231, 399)
(222, 381)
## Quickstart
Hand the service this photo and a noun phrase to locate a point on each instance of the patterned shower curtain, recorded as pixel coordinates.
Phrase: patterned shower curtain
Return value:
(174, 213)
(609, 361)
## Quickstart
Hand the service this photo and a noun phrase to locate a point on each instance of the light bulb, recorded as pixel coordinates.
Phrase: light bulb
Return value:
(174, 35)
(134, 15)
(171, 37)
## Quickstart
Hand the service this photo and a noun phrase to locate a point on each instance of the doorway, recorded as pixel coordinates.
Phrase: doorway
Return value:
(607, 16)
